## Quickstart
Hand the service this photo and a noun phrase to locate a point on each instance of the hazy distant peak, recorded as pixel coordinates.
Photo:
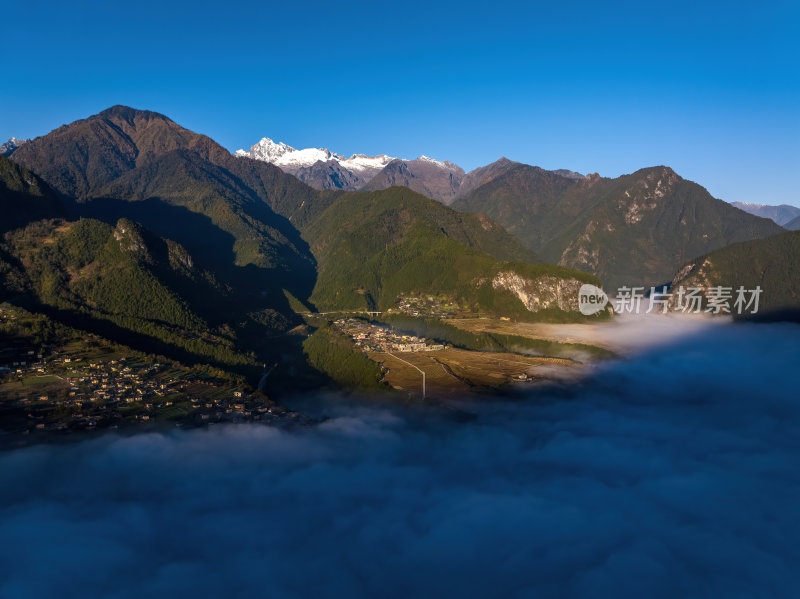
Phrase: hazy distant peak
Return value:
(782, 214)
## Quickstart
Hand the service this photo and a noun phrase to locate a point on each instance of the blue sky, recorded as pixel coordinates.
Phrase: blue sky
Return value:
(711, 90)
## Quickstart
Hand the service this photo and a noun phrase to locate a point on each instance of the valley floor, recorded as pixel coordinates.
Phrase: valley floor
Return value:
(625, 334)
(456, 372)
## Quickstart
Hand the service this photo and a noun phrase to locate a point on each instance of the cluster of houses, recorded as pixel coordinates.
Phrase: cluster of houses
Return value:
(50, 388)
(21, 358)
(370, 337)
(245, 409)
(88, 394)
(116, 382)
(427, 305)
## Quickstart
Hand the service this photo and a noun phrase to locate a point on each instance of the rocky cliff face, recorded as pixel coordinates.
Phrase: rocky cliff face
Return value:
(131, 239)
(150, 249)
(540, 293)
(697, 274)
(328, 175)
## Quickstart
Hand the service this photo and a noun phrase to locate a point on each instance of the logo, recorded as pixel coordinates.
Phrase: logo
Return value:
(591, 299)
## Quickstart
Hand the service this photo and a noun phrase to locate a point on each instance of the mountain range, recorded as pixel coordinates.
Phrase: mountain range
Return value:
(322, 169)
(786, 216)
(128, 225)
(290, 159)
(782, 214)
(630, 230)
(440, 180)
(132, 227)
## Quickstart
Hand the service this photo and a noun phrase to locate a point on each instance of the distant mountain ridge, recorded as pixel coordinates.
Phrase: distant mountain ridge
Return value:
(138, 155)
(436, 180)
(793, 225)
(782, 214)
(483, 174)
(310, 164)
(320, 168)
(632, 230)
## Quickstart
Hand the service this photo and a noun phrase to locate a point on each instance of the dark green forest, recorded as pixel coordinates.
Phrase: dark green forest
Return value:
(334, 354)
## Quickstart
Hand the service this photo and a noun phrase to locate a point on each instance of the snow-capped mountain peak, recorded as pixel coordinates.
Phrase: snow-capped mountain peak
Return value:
(289, 159)
(441, 164)
(361, 163)
(322, 169)
(11, 145)
(283, 155)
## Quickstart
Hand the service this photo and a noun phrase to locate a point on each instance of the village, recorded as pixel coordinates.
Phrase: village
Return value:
(428, 306)
(370, 337)
(50, 389)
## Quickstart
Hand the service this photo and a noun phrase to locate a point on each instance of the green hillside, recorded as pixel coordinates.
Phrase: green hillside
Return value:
(635, 229)
(772, 263)
(373, 247)
(334, 355)
(120, 282)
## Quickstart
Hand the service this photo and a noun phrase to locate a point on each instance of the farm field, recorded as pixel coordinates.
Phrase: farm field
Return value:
(455, 372)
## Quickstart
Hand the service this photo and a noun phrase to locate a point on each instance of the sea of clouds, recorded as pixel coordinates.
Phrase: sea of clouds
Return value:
(675, 473)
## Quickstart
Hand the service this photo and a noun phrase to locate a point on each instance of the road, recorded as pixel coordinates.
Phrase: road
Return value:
(412, 366)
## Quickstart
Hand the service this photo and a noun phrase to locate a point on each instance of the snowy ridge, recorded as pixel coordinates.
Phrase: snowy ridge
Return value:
(11, 145)
(322, 169)
(447, 165)
(289, 159)
(360, 163)
(281, 154)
